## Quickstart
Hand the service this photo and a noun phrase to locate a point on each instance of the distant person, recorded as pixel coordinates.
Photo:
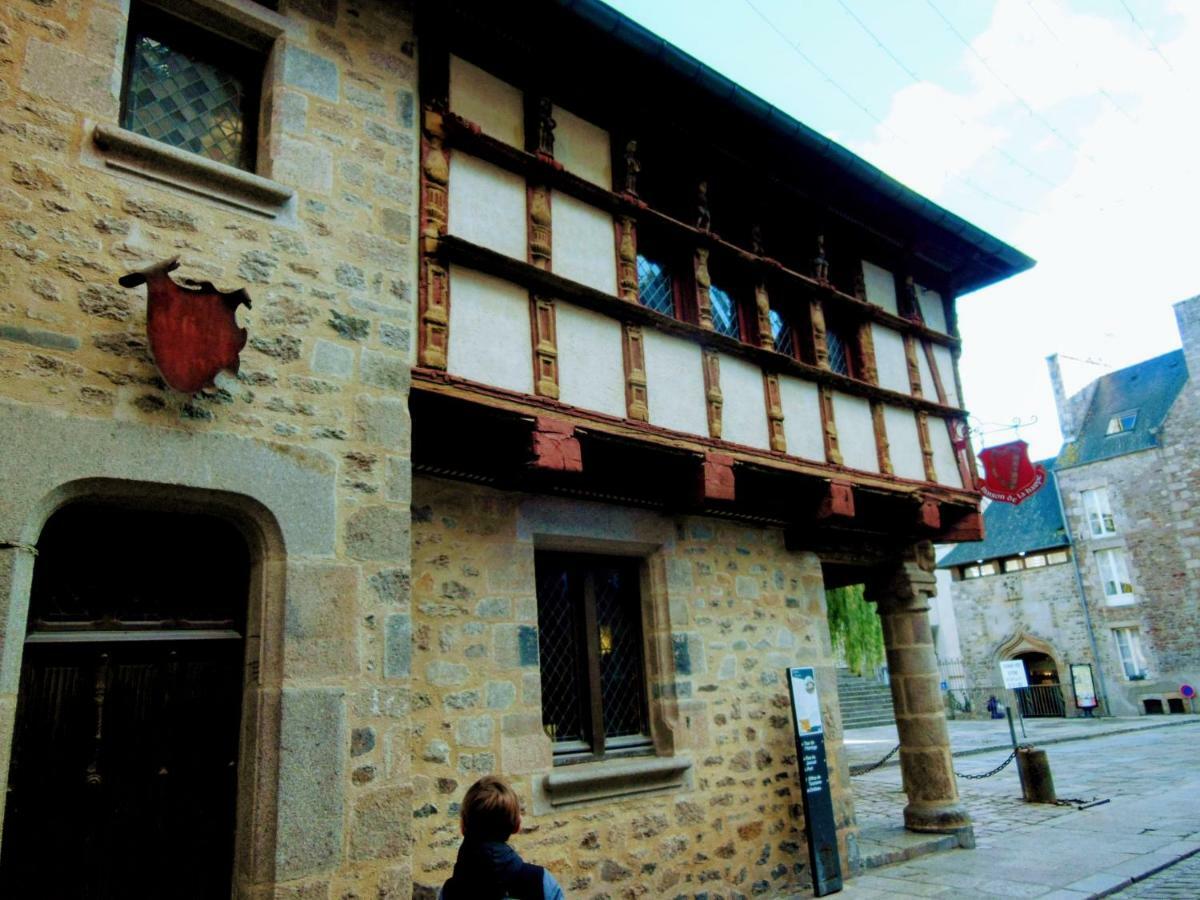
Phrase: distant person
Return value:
(487, 868)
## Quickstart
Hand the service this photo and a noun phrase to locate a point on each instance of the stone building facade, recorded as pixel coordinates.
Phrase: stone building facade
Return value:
(455, 379)
(1124, 597)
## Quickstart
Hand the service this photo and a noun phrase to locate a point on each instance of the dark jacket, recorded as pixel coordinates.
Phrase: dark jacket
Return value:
(491, 870)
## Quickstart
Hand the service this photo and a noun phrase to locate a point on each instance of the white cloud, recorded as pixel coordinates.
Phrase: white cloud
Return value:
(1114, 236)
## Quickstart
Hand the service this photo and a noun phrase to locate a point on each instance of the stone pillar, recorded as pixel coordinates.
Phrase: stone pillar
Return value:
(902, 592)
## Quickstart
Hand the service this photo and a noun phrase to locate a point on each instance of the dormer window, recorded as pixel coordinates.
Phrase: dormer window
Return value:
(1122, 422)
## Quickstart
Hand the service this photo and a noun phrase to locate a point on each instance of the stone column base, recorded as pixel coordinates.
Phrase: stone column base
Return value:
(942, 818)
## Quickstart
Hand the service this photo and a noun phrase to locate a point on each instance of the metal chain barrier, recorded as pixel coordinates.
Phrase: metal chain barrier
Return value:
(871, 767)
(991, 772)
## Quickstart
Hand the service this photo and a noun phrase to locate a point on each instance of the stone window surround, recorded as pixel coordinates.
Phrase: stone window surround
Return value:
(124, 151)
(589, 783)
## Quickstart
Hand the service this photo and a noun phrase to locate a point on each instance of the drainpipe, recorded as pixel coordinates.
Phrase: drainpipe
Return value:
(1087, 615)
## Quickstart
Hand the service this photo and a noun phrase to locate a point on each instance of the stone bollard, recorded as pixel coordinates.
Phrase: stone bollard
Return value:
(1036, 779)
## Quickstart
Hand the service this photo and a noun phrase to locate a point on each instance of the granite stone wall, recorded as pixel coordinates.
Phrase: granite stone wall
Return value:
(321, 394)
(728, 609)
(1153, 495)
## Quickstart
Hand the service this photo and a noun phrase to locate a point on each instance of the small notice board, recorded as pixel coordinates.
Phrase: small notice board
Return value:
(819, 827)
(1085, 688)
(1013, 673)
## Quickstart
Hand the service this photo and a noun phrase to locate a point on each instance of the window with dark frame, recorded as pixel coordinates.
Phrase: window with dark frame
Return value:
(726, 319)
(592, 662)
(656, 288)
(839, 348)
(190, 88)
(782, 333)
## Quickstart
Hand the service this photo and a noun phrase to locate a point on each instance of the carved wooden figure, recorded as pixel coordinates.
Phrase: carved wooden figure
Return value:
(633, 168)
(820, 263)
(546, 125)
(193, 331)
(703, 213)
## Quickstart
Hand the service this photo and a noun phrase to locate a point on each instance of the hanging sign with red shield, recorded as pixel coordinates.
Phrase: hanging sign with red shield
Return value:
(1008, 475)
(193, 331)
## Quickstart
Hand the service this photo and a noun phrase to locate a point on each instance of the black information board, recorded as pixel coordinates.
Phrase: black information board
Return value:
(819, 829)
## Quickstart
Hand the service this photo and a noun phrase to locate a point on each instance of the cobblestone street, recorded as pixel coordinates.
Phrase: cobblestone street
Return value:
(1181, 880)
(1029, 850)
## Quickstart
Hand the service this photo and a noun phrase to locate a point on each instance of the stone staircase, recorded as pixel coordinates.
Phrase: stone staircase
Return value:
(864, 702)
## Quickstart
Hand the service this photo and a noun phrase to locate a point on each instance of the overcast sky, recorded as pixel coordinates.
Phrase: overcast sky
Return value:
(1067, 128)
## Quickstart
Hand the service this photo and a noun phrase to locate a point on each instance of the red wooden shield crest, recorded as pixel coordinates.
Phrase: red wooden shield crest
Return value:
(193, 331)
(1009, 476)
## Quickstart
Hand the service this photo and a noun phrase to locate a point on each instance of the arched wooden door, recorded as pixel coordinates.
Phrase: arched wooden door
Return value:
(124, 770)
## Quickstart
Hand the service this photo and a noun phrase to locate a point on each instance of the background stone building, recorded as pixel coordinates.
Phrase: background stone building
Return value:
(658, 384)
(1126, 475)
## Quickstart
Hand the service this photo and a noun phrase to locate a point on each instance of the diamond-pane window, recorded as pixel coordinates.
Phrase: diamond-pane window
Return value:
(835, 344)
(590, 641)
(191, 89)
(654, 286)
(724, 312)
(781, 331)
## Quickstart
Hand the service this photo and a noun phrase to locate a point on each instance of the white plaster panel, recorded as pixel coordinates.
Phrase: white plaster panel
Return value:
(856, 432)
(932, 308)
(944, 461)
(583, 243)
(495, 106)
(889, 358)
(802, 418)
(582, 148)
(928, 389)
(675, 383)
(881, 286)
(744, 406)
(487, 205)
(904, 442)
(591, 368)
(945, 364)
(489, 331)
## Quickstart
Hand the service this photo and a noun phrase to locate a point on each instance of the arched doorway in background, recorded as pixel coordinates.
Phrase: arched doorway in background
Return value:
(123, 778)
(1043, 698)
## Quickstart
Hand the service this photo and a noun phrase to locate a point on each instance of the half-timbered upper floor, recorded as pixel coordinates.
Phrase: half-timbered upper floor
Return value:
(620, 248)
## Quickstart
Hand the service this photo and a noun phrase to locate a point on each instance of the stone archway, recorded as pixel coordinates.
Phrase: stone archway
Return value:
(283, 500)
(1039, 655)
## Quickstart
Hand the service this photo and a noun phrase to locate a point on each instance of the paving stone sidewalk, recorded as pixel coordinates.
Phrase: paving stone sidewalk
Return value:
(970, 736)
(1151, 821)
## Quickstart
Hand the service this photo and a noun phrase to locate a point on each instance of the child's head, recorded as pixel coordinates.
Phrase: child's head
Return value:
(491, 810)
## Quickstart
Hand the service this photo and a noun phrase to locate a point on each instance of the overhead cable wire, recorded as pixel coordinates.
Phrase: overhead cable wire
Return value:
(1021, 100)
(1075, 62)
(866, 110)
(916, 79)
(1146, 35)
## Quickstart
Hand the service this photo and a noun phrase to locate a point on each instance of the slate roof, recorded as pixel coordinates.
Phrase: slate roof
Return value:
(1032, 525)
(1150, 387)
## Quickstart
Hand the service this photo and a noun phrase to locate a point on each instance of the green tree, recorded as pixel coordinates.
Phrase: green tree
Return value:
(855, 628)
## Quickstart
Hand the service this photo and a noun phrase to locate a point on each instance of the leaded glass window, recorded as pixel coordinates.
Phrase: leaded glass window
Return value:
(191, 89)
(590, 644)
(654, 286)
(781, 332)
(839, 353)
(724, 312)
